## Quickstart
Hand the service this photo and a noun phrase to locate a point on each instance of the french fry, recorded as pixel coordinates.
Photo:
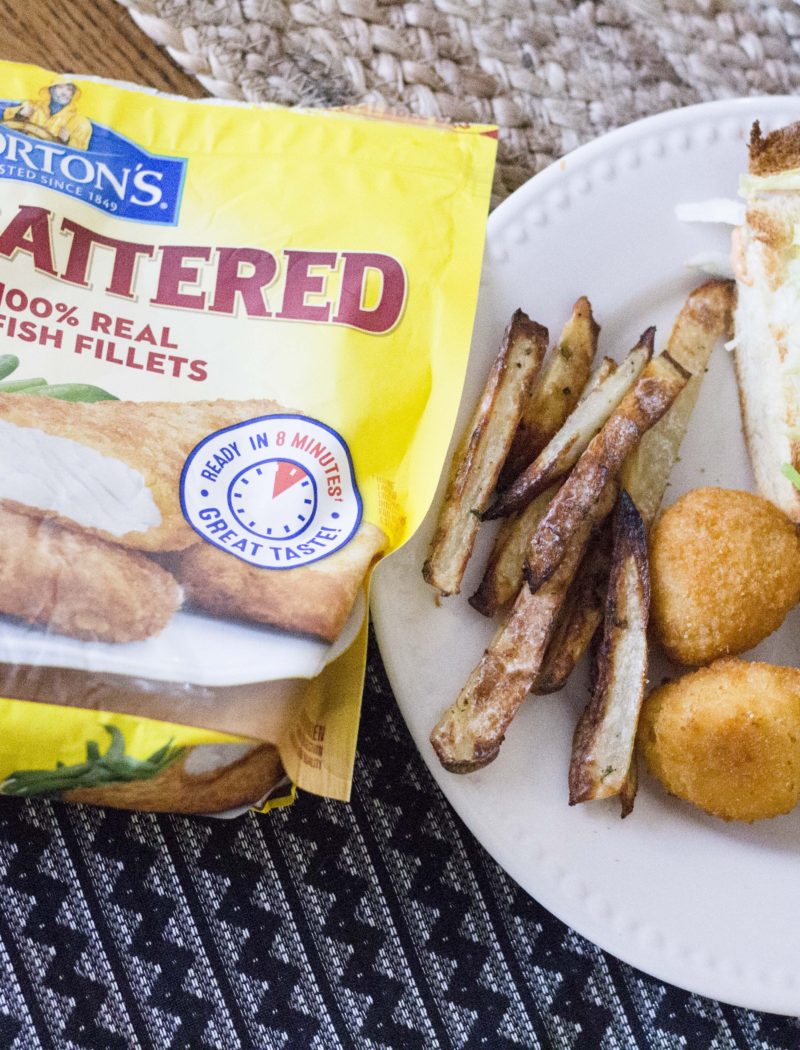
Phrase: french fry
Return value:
(580, 617)
(504, 570)
(640, 409)
(606, 368)
(630, 785)
(603, 744)
(483, 449)
(556, 392)
(575, 436)
(704, 319)
(469, 734)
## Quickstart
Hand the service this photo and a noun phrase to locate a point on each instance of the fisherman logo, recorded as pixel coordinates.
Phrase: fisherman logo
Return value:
(278, 491)
(47, 141)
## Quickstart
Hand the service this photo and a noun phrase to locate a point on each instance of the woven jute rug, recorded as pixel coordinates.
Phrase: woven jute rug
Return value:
(551, 73)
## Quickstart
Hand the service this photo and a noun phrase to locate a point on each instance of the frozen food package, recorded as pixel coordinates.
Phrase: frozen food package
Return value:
(232, 344)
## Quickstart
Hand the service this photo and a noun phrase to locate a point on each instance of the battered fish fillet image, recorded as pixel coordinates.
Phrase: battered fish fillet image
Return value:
(187, 787)
(312, 599)
(111, 468)
(79, 585)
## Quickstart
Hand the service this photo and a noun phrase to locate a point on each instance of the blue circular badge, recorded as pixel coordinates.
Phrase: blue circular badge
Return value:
(277, 491)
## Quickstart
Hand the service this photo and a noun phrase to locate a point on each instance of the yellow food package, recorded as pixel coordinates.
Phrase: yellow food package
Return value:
(233, 340)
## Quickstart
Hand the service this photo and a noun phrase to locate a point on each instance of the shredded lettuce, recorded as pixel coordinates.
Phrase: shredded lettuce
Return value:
(723, 210)
(749, 185)
(793, 475)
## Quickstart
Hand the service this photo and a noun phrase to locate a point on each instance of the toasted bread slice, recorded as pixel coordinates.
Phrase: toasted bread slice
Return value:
(767, 316)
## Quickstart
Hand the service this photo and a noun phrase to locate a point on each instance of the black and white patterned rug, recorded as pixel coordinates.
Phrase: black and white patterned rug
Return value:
(379, 924)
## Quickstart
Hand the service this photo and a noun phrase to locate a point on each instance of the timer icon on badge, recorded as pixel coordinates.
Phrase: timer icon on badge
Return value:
(273, 499)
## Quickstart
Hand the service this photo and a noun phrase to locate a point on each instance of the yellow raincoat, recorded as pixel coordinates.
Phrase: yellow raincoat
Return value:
(67, 118)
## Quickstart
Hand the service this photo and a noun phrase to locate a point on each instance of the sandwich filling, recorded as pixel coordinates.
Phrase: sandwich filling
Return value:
(752, 185)
(767, 250)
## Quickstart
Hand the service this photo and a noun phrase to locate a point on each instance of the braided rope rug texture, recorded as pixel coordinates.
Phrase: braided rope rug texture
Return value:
(552, 73)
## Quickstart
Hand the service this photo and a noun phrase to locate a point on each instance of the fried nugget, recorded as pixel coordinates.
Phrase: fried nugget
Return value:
(110, 467)
(81, 586)
(311, 599)
(727, 738)
(725, 571)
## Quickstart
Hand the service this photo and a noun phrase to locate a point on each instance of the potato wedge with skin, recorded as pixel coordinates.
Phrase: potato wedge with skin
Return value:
(469, 734)
(580, 617)
(640, 409)
(574, 437)
(504, 571)
(707, 315)
(557, 390)
(607, 367)
(483, 449)
(630, 785)
(705, 318)
(604, 739)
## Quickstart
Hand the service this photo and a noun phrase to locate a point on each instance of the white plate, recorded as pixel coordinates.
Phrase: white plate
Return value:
(708, 906)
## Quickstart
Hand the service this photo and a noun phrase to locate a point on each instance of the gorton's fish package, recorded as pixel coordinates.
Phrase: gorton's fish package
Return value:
(233, 341)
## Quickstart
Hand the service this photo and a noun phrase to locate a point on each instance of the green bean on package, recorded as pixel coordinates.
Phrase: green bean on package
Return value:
(8, 363)
(19, 386)
(73, 392)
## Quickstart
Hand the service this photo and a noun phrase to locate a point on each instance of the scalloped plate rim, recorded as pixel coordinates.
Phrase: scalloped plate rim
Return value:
(696, 976)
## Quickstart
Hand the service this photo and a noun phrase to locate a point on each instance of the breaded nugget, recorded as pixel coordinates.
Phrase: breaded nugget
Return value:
(725, 571)
(727, 738)
(110, 467)
(79, 585)
(312, 599)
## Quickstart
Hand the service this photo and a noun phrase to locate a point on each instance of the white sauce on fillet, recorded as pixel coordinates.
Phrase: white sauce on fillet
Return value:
(77, 482)
(207, 758)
